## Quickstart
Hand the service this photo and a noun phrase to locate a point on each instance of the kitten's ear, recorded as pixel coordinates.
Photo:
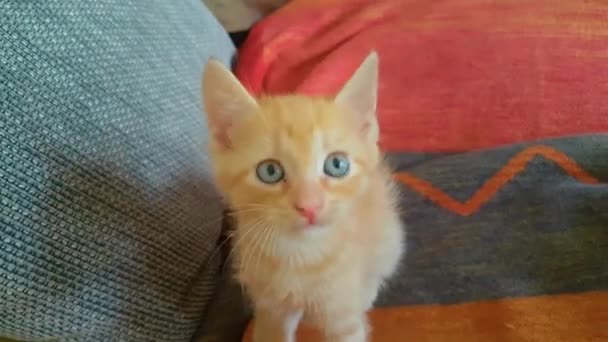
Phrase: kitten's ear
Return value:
(359, 95)
(226, 101)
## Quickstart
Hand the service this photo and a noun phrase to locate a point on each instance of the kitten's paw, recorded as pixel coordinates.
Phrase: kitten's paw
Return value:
(353, 329)
(359, 335)
(272, 327)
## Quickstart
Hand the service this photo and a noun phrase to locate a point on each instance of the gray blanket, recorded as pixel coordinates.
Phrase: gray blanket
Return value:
(520, 220)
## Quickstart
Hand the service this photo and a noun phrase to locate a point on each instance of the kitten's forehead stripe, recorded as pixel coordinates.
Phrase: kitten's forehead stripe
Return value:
(318, 154)
(300, 149)
(297, 132)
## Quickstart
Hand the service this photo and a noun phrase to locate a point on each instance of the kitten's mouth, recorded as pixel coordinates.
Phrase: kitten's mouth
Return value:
(306, 225)
(311, 226)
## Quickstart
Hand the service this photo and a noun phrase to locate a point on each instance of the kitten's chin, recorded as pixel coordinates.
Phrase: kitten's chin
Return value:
(323, 222)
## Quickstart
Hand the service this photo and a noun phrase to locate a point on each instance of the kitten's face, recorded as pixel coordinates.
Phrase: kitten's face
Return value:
(298, 162)
(291, 163)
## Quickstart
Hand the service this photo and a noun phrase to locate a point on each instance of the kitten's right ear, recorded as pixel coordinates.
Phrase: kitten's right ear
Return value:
(225, 100)
(359, 95)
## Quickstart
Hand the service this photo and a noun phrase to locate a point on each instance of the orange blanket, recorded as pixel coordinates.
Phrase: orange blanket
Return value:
(565, 318)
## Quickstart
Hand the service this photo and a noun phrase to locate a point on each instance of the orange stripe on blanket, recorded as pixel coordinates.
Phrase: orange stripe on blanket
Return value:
(516, 165)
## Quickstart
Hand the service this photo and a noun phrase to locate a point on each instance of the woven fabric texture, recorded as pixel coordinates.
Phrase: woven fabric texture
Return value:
(519, 220)
(107, 216)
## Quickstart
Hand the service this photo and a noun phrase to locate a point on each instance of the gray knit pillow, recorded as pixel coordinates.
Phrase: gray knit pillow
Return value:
(107, 216)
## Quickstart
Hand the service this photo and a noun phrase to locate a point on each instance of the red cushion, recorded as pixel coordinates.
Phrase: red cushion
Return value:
(455, 75)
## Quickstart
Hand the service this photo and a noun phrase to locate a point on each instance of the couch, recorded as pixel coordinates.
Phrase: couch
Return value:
(108, 219)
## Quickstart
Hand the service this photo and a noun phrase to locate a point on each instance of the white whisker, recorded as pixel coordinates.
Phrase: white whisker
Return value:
(253, 226)
(262, 247)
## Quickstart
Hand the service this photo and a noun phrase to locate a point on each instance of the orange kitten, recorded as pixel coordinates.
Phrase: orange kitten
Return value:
(317, 226)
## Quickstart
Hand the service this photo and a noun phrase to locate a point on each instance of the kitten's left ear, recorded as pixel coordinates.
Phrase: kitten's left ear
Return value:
(226, 101)
(359, 95)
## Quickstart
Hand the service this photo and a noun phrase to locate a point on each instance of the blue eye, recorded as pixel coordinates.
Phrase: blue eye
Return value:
(270, 172)
(336, 165)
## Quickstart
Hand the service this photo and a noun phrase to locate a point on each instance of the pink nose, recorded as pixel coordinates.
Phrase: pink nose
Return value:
(310, 213)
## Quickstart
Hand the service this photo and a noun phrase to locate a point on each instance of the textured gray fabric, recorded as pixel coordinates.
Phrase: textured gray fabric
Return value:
(107, 217)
